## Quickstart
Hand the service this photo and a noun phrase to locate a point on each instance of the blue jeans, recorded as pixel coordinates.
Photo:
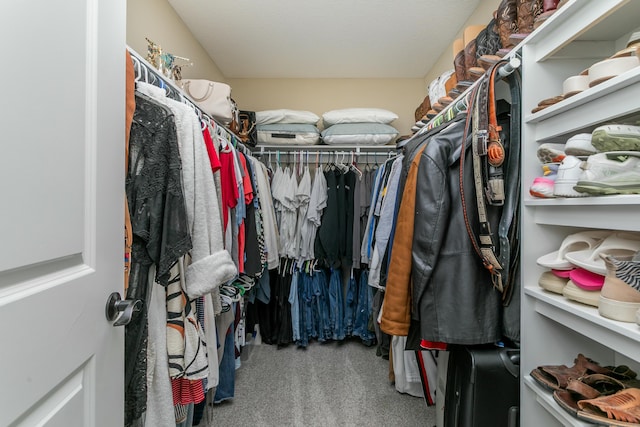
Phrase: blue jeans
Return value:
(350, 306)
(295, 307)
(308, 299)
(227, 370)
(336, 305)
(364, 309)
(188, 422)
(320, 287)
(263, 291)
(303, 339)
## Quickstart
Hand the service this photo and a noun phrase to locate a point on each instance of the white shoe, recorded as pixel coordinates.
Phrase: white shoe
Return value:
(610, 173)
(568, 174)
(550, 153)
(580, 145)
(616, 137)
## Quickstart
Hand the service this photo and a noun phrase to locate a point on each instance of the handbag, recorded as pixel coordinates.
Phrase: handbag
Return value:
(247, 130)
(214, 98)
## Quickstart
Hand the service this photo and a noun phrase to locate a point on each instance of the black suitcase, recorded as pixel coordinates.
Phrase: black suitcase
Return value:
(482, 387)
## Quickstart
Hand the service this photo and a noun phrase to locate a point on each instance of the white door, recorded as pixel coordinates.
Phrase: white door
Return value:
(61, 204)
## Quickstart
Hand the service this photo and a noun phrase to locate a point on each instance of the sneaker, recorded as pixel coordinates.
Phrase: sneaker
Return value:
(550, 153)
(616, 138)
(543, 185)
(575, 293)
(620, 295)
(610, 173)
(568, 174)
(580, 145)
(551, 282)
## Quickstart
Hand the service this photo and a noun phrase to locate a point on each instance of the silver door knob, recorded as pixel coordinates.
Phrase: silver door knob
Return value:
(121, 310)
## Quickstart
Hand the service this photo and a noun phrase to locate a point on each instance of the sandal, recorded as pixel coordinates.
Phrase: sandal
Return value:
(587, 387)
(619, 409)
(556, 377)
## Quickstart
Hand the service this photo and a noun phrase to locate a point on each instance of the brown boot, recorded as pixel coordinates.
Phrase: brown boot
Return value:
(507, 21)
(488, 40)
(469, 37)
(528, 10)
(458, 59)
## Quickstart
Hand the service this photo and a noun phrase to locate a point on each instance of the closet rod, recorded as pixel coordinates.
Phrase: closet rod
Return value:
(144, 67)
(323, 153)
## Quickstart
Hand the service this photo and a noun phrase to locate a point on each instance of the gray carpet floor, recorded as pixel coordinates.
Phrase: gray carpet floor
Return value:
(332, 384)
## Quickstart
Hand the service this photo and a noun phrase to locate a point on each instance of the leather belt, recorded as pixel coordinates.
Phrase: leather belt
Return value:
(488, 156)
(479, 151)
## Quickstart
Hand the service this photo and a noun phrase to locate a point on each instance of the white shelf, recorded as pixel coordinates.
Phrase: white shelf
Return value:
(545, 398)
(583, 21)
(599, 216)
(585, 320)
(589, 108)
(607, 212)
(554, 328)
(615, 200)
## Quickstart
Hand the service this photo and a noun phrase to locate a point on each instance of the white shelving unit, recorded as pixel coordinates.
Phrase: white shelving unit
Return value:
(554, 329)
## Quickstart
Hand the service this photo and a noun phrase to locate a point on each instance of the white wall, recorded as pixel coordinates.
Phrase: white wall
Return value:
(157, 20)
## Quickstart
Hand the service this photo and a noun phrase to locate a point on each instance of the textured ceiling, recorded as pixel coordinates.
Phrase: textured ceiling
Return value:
(324, 38)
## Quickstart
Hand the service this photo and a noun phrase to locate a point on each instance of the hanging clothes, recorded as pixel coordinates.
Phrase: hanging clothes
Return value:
(270, 228)
(303, 197)
(446, 272)
(153, 202)
(396, 317)
(210, 264)
(313, 217)
(384, 221)
(255, 255)
(364, 310)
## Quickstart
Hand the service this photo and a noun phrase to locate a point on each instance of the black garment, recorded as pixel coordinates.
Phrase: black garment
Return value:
(278, 328)
(349, 188)
(285, 329)
(453, 295)
(342, 216)
(383, 339)
(160, 232)
(327, 244)
(253, 263)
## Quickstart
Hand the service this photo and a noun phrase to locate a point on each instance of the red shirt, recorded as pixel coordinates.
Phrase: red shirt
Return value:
(211, 150)
(229, 188)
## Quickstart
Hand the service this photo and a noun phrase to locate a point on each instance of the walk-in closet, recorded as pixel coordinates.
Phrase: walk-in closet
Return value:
(327, 213)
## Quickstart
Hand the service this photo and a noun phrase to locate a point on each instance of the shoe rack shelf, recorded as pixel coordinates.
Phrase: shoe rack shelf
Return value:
(585, 110)
(585, 320)
(554, 329)
(545, 399)
(611, 212)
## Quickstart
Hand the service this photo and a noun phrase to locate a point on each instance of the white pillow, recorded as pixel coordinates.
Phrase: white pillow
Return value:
(359, 134)
(358, 115)
(286, 116)
(287, 133)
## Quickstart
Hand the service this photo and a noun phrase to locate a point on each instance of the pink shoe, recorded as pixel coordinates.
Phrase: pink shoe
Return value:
(543, 186)
(586, 280)
(565, 274)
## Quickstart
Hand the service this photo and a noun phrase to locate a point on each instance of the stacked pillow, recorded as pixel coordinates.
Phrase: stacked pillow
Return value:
(359, 126)
(284, 126)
